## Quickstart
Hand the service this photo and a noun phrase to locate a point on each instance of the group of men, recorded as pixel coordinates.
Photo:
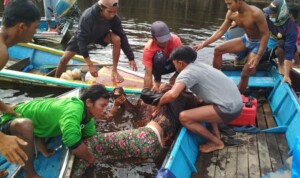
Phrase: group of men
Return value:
(163, 54)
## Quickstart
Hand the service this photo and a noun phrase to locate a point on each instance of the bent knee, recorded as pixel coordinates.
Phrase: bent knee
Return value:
(21, 125)
(183, 118)
(219, 49)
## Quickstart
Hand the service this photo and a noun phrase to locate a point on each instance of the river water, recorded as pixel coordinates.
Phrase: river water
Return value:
(192, 20)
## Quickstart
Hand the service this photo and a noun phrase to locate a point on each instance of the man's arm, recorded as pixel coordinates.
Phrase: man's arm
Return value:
(3, 56)
(148, 77)
(263, 28)
(218, 34)
(172, 94)
(82, 152)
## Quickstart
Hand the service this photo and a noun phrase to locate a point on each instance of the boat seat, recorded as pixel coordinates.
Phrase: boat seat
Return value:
(256, 81)
(22, 65)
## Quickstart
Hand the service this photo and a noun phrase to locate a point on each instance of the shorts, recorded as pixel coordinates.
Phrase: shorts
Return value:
(73, 45)
(227, 117)
(5, 128)
(252, 45)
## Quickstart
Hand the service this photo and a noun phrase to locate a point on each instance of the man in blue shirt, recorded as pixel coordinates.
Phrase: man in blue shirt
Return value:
(284, 31)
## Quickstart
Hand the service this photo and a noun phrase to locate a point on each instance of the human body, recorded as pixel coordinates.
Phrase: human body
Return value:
(50, 118)
(144, 142)
(284, 31)
(49, 8)
(99, 24)
(156, 54)
(20, 20)
(252, 20)
(223, 99)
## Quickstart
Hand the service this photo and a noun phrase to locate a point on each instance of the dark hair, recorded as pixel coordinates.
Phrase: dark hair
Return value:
(94, 92)
(18, 11)
(184, 53)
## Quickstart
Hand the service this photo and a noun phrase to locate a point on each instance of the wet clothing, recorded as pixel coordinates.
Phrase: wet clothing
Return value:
(138, 143)
(151, 48)
(213, 87)
(92, 28)
(144, 142)
(4, 128)
(53, 117)
(252, 45)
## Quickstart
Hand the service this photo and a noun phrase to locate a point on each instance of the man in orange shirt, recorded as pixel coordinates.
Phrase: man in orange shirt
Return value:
(156, 54)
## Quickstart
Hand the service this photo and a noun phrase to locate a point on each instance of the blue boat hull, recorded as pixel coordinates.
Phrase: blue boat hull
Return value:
(285, 108)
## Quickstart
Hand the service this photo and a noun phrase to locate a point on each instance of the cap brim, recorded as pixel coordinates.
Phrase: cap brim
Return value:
(163, 39)
(269, 10)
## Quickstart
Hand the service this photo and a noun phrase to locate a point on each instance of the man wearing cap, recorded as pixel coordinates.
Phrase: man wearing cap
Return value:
(221, 104)
(252, 20)
(284, 31)
(156, 54)
(99, 24)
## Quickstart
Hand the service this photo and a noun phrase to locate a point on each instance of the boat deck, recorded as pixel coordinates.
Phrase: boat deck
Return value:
(261, 154)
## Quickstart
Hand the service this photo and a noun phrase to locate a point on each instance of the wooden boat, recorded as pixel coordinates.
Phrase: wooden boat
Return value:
(52, 36)
(278, 118)
(58, 165)
(36, 64)
(63, 6)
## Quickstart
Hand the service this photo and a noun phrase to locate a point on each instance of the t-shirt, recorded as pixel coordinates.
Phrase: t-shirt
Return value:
(151, 47)
(298, 27)
(212, 86)
(56, 116)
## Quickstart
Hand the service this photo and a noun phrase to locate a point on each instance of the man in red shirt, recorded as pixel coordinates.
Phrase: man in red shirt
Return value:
(156, 54)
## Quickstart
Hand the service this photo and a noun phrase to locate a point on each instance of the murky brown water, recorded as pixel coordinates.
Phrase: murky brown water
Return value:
(192, 20)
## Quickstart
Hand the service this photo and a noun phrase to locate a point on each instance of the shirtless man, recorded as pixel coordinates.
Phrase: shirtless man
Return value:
(20, 20)
(252, 20)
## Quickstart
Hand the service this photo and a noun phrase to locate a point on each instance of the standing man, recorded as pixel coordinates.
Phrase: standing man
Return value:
(284, 31)
(252, 20)
(156, 54)
(223, 102)
(49, 8)
(99, 24)
(20, 20)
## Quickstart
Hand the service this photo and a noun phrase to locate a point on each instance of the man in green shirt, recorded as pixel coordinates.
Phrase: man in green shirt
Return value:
(72, 118)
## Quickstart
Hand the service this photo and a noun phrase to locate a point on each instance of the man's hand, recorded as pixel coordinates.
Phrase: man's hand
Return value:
(132, 64)
(116, 77)
(120, 100)
(253, 61)
(11, 150)
(93, 70)
(198, 47)
(10, 110)
(156, 111)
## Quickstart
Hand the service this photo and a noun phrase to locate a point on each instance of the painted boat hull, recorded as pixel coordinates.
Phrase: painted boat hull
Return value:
(285, 107)
(41, 57)
(53, 37)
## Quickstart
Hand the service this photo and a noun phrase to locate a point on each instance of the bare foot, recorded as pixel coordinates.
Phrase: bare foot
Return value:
(210, 146)
(3, 173)
(41, 147)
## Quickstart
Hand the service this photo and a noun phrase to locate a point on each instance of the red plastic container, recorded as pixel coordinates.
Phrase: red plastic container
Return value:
(248, 114)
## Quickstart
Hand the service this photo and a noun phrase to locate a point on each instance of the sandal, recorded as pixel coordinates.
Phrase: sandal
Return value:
(232, 141)
(247, 129)
(228, 131)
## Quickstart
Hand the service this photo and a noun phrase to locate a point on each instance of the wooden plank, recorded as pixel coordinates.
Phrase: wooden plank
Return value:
(221, 163)
(231, 166)
(242, 161)
(280, 137)
(203, 164)
(253, 161)
(264, 158)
